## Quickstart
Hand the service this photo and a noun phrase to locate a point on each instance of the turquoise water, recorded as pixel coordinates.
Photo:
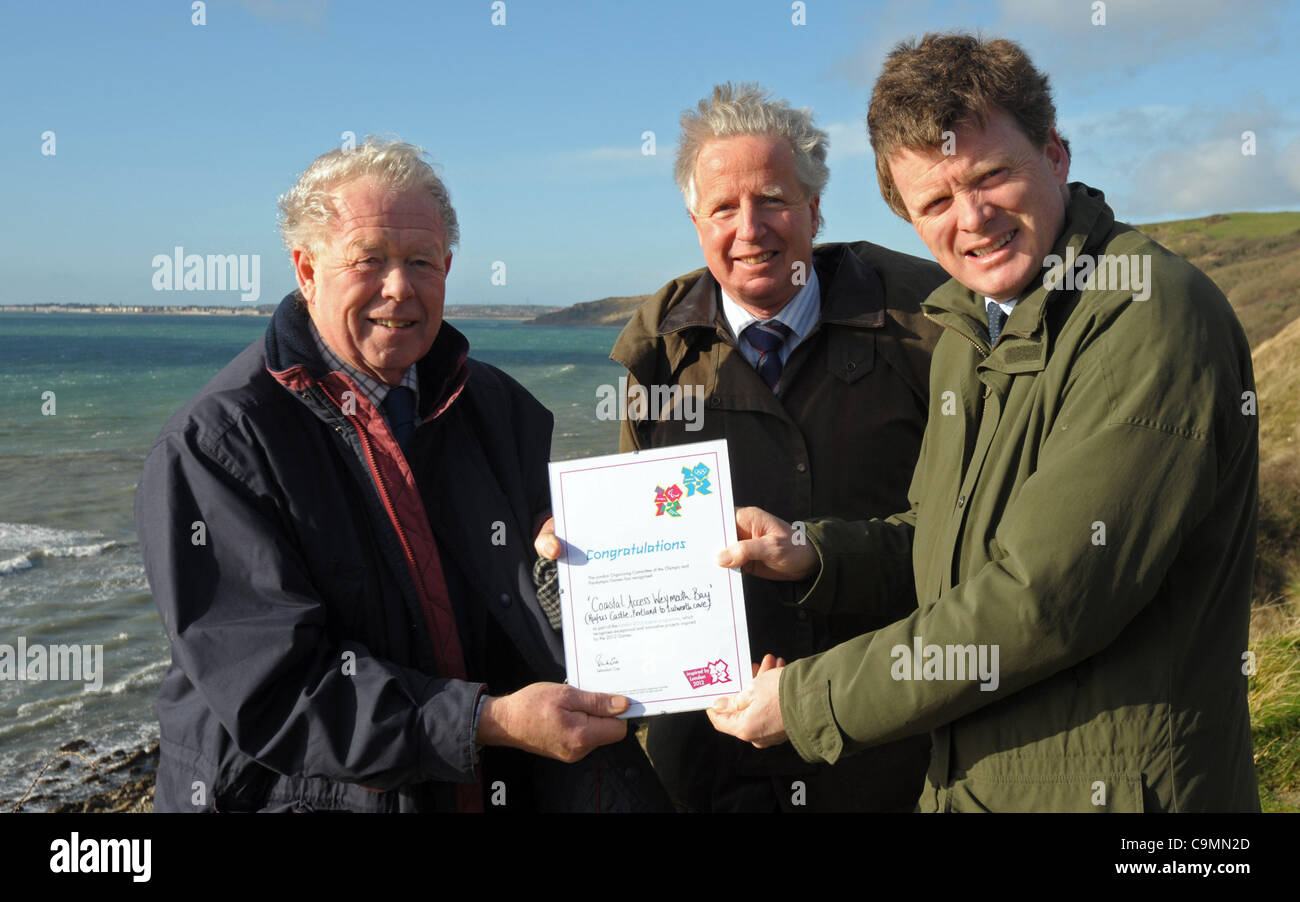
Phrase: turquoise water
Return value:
(70, 570)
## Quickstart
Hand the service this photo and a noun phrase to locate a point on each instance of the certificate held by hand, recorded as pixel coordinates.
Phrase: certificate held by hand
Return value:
(648, 613)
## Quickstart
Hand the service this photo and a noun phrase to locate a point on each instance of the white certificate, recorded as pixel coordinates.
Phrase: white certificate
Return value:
(648, 613)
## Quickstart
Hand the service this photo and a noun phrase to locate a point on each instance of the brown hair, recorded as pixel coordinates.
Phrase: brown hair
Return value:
(947, 80)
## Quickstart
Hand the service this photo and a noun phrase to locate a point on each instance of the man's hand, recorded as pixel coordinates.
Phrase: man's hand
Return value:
(767, 548)
(755, 715)
(553, 720)
(546, 542)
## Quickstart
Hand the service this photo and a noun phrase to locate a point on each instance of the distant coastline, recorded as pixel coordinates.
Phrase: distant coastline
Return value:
(454, 311)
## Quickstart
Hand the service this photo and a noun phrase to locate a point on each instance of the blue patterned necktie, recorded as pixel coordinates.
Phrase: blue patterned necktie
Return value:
(399, 408)
(768, 337)
(997, 319)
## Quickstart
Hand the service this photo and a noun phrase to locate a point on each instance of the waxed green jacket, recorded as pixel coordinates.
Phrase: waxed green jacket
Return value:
(1085, 506)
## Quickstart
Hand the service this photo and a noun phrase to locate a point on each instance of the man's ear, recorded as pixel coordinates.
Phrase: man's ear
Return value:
(304, 270)
(1058, 156)
(816, 215)
(446, 265)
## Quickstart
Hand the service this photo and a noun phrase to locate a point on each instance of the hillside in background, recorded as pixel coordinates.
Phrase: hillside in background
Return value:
(1253, 257)
(605, 312)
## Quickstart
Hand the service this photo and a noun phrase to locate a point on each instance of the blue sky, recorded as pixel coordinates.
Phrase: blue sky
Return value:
(169, 133)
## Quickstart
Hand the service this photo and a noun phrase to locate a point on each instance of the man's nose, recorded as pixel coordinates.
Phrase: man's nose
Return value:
(397, 282)
(973, 211)
(749, 223)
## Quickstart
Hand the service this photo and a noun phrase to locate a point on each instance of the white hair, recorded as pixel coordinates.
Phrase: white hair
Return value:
(307, 213)
(744, 109)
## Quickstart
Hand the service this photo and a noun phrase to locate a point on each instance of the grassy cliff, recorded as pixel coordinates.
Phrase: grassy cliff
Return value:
(1255, 259)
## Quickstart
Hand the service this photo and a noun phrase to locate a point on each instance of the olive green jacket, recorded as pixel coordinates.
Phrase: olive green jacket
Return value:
(1085, 506)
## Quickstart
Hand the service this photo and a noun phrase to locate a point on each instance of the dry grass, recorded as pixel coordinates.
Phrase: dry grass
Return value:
(1275, 705)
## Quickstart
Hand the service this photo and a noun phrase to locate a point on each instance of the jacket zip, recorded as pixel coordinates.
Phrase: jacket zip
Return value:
(392, 513)
(983, 353)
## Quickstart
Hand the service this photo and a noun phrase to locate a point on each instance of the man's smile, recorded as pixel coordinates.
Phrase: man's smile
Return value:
(995, 245)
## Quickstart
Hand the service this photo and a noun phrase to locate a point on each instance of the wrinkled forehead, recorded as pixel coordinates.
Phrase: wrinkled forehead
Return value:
(761, 163)
(368, 213)
(367, 204)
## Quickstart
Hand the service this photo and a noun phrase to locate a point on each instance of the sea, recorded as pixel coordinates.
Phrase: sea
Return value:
(83, 397)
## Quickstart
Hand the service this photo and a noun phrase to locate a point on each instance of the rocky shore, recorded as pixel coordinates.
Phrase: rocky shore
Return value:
(77, 780)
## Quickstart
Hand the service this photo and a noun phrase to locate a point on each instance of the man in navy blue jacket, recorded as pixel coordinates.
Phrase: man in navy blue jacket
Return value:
(338, 533)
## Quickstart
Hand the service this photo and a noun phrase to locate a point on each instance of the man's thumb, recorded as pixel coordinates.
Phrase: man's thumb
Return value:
(733, 556)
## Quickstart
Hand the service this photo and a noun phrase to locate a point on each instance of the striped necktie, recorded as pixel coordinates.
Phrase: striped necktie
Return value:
(768, 337)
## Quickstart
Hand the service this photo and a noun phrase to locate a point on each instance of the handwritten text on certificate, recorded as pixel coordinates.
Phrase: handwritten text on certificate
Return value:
(648, 613)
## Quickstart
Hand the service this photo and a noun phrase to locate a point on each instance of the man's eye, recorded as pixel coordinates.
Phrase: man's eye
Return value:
(935, 205)
(994, 174)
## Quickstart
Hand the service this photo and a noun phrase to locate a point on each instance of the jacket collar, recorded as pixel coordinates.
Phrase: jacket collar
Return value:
(292, 358)
(1088, 219)
(840, 273)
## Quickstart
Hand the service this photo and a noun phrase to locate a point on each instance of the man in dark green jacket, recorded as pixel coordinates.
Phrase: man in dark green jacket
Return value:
(1072, 580)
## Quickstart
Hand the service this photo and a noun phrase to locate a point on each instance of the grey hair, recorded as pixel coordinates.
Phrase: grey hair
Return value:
(744, 109)
(307, 209)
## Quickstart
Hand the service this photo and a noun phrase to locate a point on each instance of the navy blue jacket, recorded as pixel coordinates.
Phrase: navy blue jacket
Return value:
(288, 544)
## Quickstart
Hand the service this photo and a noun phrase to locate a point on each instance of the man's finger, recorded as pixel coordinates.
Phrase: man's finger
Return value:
(604, 730)
(597, 704)
(546, 543)
(746, 517)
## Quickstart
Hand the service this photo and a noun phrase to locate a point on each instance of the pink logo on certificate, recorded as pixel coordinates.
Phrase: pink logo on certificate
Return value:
(715, 672)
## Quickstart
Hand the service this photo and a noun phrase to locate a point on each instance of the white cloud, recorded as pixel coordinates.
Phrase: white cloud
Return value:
(1165, 162)
(1063, 37)
(1289, 164)
(848, 139)
(1211, 177)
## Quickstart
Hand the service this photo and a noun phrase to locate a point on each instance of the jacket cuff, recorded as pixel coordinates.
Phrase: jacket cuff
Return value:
(807, 715)
(449, 717)
(839, 552)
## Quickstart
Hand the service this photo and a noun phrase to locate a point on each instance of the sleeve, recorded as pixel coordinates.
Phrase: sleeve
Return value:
(1081, 548)
(629, 439)
(251, 633)
(865, 567)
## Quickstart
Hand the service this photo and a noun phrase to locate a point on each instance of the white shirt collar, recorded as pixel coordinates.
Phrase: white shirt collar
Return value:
(801, 314)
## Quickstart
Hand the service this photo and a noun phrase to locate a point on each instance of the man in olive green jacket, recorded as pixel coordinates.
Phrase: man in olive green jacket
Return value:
(1073, 577)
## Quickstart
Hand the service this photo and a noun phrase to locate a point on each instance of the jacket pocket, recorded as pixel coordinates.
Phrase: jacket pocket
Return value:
(1115, 793)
